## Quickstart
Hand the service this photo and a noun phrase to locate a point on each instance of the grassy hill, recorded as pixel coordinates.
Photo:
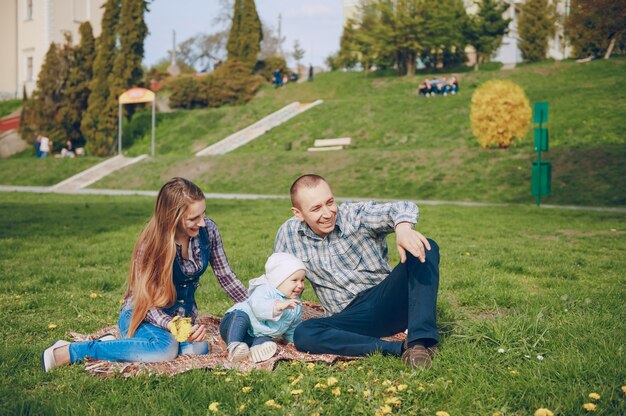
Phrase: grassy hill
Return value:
(405, 146)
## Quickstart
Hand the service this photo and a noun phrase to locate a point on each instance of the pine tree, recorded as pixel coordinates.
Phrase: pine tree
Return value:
(535, 25)
(26, 130)
(76, 94)
(246, 33)
(99, 126)
(484, 31)
(298, 52)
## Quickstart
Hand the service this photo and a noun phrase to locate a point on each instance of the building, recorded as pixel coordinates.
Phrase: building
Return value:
(508, 53)
(28, 27)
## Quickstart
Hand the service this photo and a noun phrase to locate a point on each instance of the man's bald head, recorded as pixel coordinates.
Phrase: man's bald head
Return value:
(305, 181)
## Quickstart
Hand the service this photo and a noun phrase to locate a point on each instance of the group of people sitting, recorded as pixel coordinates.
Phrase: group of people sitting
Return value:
(439, 86)
(340, 249)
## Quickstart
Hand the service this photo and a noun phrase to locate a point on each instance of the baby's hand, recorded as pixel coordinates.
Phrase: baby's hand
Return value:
(282, 305)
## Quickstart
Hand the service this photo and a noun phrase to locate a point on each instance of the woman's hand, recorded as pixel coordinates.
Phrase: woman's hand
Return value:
(198, 333)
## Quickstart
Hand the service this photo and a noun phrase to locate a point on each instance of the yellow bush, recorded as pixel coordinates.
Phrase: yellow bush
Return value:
(500, 113)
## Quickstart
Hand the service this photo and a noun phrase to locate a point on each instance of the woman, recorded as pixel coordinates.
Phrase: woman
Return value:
(171, 253)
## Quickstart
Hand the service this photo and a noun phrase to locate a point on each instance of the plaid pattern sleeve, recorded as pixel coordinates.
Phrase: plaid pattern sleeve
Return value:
(157, 317)
(353, 257)
(219, 262)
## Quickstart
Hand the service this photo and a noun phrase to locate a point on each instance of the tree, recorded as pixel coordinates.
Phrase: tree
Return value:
(246, 33)
(596, 26)
(485, 29)
(444, 41)
(99, 126)
(536, 24)
(272, 44)
(298, 52)
(76, 94)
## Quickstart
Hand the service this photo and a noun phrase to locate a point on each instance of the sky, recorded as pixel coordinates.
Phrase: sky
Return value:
(316, 24)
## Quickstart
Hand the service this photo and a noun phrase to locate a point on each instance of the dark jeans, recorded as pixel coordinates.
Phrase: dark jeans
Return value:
(234, 328)
(407, 298)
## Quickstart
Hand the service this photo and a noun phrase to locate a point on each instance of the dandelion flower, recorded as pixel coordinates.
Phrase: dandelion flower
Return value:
(297, 379)
(421, 388)
(442, 413)
(391, 389)
(52, 326)
(93, 295)
(320, 386)
(402, 387)
(590, 407)
(543, 412)
(350, 390)
(394, 401)
(18, 297)
(180, 328)
(228, 379)
(242, 408)
(214, 407)
(331, 381)
(336, 391)
(624, 389)
(272, 403)
(310, 366)
(366, 393)
(594, 396)
(501, 350)
(497, 413)
(386, 383)
(296, 392)
(384, 410)
(246, 389)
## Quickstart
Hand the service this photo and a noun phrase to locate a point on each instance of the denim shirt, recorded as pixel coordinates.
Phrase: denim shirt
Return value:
(260, 308)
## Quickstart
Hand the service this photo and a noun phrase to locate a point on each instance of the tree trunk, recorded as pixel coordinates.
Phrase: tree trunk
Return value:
(607, 55)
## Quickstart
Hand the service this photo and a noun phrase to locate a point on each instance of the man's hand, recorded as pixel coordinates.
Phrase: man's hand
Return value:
(407, 239)
(198, 333)
(281, 305)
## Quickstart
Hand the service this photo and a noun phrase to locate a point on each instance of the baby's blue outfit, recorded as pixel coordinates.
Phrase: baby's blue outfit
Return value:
(260, 309)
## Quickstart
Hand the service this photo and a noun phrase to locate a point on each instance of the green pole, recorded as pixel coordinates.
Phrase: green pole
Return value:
(538, 199)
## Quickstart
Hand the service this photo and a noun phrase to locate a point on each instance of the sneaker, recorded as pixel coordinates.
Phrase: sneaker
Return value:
(263, 352)
(47, 358)
(418, 357)
(106, 337)
(238, 351)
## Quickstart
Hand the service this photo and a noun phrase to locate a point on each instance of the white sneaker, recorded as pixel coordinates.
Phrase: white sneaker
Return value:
(106, 337)
(47, 358)
(263, 352)
(238, 351)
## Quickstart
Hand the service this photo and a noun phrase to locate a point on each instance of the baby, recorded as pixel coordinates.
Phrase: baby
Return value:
(273, 309)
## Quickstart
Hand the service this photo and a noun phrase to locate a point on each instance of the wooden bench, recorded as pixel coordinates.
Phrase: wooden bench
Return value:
(330, 144)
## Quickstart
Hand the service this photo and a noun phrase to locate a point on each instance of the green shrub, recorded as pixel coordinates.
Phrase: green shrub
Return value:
(230, 83)
(187, 91)
(500, 113)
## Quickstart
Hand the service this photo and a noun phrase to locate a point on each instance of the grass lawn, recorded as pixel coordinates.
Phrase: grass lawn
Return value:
(531, 282)
(9, 106)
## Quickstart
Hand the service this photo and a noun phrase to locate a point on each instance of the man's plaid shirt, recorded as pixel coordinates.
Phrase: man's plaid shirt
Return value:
(353, 257)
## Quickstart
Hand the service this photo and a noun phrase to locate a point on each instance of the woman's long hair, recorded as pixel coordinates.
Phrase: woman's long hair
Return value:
(150, 281)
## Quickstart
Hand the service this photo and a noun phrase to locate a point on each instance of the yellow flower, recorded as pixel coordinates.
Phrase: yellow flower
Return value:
(272, 403)
(93, 295)
(421, 388)
(219, 373)
(394, 401)
(52, 326)
(310, 366)
(296, 392)
(366, 393)
(320, 386)
(336, 391)
(386, 383)
(402, 387)
(331, 381)
(228, 379)
(442, 413)
(297, 380)
(350, 390)
(590, 407)
(241, 408)
(624, 389)
(391, 389)
(214, 407)
(18, 297)
(497, 414)
(594, 396)
(246, 389)
(384, 410)
(543, 412)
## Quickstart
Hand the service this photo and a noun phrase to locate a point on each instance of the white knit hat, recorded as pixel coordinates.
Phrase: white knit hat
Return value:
(279, 266)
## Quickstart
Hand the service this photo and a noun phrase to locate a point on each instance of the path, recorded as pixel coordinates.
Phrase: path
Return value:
(255, 130)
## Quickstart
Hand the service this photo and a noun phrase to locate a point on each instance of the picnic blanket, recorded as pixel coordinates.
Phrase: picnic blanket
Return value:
(217, 357)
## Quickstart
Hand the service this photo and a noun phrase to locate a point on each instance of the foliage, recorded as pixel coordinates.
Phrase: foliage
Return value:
(246, 33)
(9, 106)
(267, 66)
(593, 25)
(99, 122)
(536, 24)
(230, 83)
(485, 29)
(443, 37)
(298, 52)
(272, 44)
(202, 51)
(500, 113)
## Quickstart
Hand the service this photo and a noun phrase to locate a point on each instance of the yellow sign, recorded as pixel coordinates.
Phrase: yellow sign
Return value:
(136, 95)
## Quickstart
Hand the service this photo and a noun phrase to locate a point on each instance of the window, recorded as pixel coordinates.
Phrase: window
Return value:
(29, 10)
(29, 68)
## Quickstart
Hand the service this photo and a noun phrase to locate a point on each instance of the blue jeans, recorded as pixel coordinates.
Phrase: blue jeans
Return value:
(407, 298)
(149, 344)
(234, 328)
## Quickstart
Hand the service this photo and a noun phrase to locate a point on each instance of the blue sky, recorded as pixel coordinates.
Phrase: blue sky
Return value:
(317, 24)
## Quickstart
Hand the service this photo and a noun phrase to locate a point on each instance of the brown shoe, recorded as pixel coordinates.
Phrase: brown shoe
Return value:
(417, 356)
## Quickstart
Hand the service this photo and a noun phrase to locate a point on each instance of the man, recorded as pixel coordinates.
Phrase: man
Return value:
(345, 252)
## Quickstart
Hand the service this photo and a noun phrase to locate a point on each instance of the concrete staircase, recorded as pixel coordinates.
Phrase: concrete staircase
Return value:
(255, 130)
(94, 173)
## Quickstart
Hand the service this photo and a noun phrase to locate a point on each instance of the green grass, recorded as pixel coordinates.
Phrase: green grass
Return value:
(533, 282)
(26, 170)
(9, 106)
